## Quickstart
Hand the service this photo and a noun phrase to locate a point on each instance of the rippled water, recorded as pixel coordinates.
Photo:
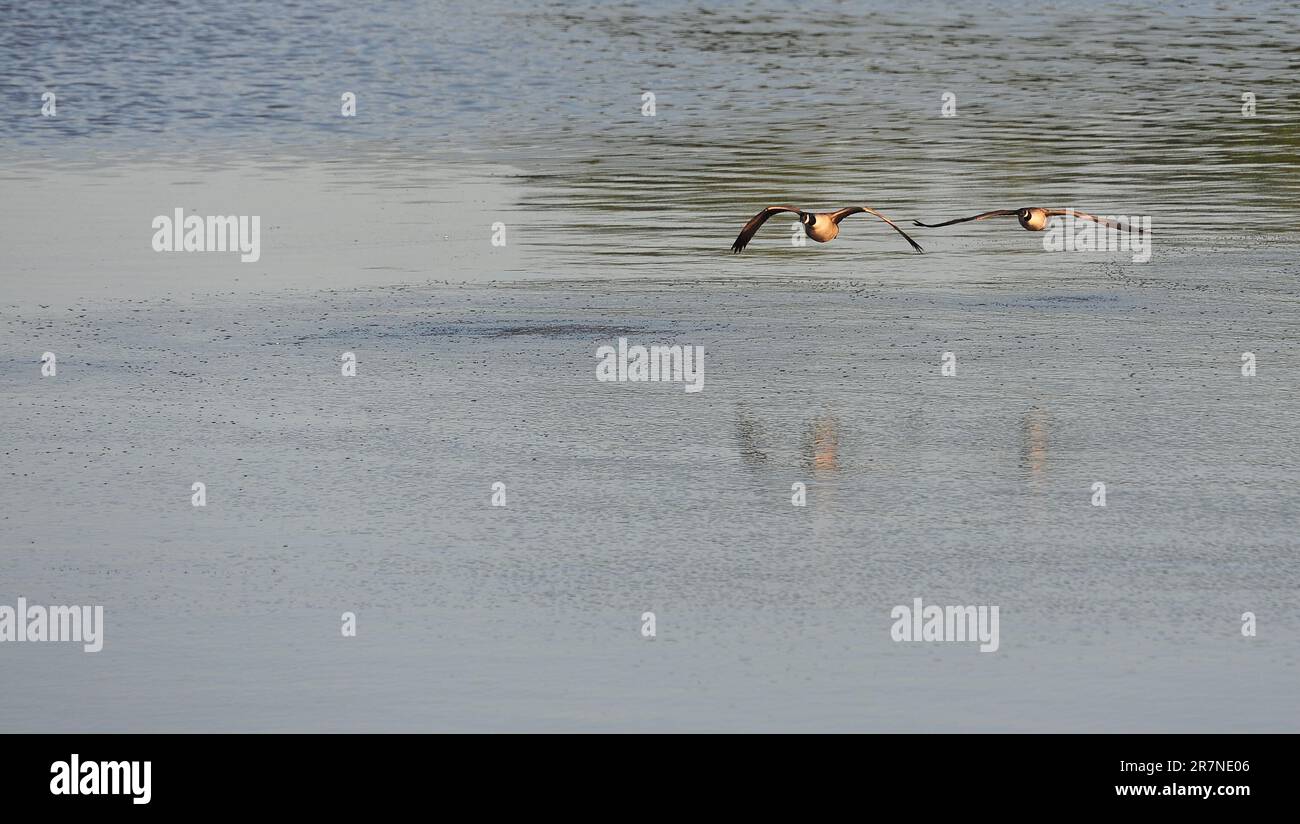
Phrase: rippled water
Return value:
(823, 365)
(1119, 108)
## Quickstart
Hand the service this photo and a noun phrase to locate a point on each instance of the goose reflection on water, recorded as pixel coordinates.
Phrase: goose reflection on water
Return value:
(1033, 454)
(823, 448)
(750, 439)
(820, 447)
(819, 450)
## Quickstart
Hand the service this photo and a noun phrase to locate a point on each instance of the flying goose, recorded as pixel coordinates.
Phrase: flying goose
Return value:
(822, 227)
(1032, 218)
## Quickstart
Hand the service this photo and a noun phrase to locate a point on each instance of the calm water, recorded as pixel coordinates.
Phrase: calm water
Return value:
(372, 495)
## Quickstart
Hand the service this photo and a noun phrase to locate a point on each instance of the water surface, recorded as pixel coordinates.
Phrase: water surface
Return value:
(372, 494)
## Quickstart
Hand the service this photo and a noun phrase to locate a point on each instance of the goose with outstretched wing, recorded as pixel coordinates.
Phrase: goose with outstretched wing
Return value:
(1033, 218)
(822, 227)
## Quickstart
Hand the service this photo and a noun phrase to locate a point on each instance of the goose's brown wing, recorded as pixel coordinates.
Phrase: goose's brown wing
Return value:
(985, 215)
(1114, 224)
(839, 215)
(747, 233)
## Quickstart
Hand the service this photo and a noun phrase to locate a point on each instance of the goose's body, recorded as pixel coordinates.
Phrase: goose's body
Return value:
(822, 227)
